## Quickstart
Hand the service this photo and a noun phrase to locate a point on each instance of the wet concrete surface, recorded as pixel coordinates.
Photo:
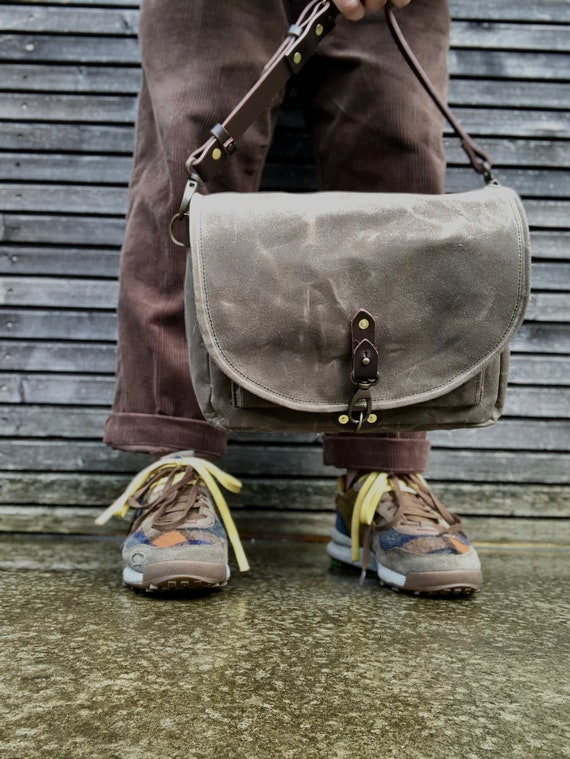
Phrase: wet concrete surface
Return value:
(292, 659)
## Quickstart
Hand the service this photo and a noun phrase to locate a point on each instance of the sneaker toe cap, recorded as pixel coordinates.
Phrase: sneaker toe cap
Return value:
(405, 561)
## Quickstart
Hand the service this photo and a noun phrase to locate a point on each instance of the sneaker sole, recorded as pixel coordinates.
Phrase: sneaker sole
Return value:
(448, 583)
(168, 576)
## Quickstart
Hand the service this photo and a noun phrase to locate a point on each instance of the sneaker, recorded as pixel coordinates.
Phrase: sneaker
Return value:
(176, 540)
(395, 526)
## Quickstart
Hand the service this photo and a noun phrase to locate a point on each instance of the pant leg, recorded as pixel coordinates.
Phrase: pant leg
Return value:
(375, 129)
(198, 58)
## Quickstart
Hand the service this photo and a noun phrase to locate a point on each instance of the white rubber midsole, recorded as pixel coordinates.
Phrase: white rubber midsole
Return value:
(340, 548)
(132, 577)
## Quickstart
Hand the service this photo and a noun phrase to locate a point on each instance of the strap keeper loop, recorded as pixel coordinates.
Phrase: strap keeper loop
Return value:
(224, 138)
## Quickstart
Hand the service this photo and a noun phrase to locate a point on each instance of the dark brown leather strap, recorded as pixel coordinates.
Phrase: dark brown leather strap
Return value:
(480, 160)
(303, 37)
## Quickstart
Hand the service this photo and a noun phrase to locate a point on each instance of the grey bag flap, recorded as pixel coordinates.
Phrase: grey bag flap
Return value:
(278, 277)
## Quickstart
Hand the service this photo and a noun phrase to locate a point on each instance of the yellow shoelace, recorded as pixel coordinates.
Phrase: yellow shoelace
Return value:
(373, 487)
(208, 474)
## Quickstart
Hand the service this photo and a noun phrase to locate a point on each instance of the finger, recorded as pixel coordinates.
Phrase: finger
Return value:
(350, 9)
(354, 9)
(374, 5)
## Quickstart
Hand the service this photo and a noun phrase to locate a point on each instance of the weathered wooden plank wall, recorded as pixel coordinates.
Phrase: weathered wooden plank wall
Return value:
(69, 77)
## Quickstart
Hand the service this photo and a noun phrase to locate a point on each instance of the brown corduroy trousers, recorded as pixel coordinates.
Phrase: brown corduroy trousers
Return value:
(373, 129)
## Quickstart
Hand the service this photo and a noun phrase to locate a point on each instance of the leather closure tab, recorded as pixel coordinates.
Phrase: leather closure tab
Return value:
(364, 352)
(365, 363)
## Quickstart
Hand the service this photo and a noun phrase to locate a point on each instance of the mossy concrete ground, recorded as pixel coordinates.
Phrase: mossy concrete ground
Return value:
(291, 660)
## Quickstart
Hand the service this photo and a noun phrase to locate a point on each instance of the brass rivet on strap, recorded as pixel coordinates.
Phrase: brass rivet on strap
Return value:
(365, 361)
(343, 419)
(363, 324)
(372, 419)
(216, 154)
(297, 58)
(319, 29)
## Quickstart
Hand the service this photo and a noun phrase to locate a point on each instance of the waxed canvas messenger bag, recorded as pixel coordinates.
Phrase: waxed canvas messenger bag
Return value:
(344, 311)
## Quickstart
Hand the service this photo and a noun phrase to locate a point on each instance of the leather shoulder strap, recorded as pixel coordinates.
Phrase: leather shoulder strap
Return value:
(480, 159)
(303, 37)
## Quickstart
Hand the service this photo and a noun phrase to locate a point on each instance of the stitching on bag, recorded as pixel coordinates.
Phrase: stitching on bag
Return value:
(479, 387)
(517, 219)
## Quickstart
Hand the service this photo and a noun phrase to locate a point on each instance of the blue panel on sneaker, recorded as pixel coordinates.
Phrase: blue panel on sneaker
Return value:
(340, 526)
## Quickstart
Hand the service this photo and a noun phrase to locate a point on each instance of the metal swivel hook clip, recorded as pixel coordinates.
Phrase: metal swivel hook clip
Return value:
(359, 415)
(189, 190)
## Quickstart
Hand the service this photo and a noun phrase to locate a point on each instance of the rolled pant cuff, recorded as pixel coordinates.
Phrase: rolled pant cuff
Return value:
(398, 455)
(156, 434)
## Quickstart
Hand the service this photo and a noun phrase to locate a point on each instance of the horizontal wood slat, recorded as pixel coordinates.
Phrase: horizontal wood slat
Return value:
(87, 3)
(65, 137)
(61, 229)
(108, 80)
(94, 294)
(99, 358)
(532, 162)
(87, 493)
(104, 263)
(493, 35)
(100, 325)
(123, 23)
(68, 389)
(542, 338)
(484, 531)
(546, 11)
(92, 358)
(78, 171)
(71, 262)
(69, 48)
(494, 121)
(545, 307)
(64, 389)
(445, 464)
(118, 140)
(58, 293)
(91, 21)
(77, 78)
(523, 10)
(107, 231)
(506, 63)
(87, 423)
(106, 110)
(548, 307)
(71, 325)
(112, 201)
